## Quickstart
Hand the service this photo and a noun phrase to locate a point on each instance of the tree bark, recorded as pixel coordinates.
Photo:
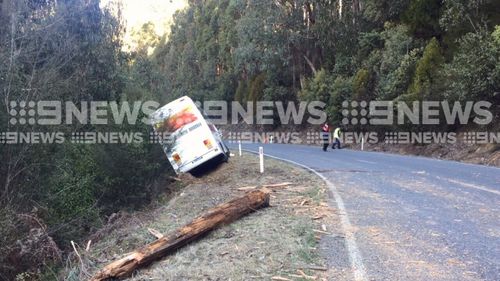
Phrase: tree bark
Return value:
(215, 217)
(311, 65)
(311, 17)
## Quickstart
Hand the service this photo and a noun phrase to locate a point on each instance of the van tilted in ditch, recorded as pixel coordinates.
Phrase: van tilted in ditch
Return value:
(187, 137)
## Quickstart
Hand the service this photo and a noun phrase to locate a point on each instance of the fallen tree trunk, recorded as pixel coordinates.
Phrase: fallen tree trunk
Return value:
(219, 215)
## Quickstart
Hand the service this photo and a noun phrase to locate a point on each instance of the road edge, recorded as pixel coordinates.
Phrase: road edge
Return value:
(355, 256)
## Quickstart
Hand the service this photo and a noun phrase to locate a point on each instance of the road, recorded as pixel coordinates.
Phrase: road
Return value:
(406, 218)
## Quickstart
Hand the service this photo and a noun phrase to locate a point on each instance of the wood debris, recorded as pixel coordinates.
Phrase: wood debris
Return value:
(155, 233)
(219, 215)
(279, 278)
(321, 232)
(269, 186)
(319, 268)
(302, 273)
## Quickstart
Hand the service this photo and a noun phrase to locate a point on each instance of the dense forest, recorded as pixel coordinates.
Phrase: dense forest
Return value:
(233, 50)
(332, 51)
(51, 194)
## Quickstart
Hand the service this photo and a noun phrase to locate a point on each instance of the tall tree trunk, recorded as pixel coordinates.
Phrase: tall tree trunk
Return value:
(341, 8)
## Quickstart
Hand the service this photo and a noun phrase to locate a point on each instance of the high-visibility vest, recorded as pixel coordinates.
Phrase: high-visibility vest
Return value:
(336, 133)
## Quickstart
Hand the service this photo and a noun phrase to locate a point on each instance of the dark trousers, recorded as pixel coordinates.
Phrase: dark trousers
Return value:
(325, 146)
(336, 143)
(326, 140)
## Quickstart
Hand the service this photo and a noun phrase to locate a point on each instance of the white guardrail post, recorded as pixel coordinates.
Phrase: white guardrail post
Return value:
(261, 156)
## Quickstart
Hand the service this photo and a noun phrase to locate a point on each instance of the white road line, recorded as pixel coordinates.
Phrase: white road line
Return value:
(479, 187)
(364, 161)
(355, 257)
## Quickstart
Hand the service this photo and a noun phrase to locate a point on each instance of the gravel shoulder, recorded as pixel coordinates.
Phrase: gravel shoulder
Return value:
(285, 240)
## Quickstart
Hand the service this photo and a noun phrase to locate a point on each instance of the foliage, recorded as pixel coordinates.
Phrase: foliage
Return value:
(422, 17)
(381, 11)
(256, 88)
(386, 49)
(474, 73)
(68, 51)
(397, 62)
(341, 92)
(71, 192)
(329, 89)
(318, 88)
(241, 92)
(362, 85)
(244, 50)
(462, 16)
(427, 79)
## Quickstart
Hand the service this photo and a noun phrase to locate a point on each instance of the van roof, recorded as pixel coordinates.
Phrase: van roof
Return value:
(176, 102)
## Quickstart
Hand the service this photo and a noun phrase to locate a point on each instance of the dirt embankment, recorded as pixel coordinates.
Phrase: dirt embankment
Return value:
(280, 241)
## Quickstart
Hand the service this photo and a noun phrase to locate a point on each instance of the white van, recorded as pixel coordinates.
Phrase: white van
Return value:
(187, 138)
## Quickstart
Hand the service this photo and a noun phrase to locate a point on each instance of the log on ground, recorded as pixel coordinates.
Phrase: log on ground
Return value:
(215, 217)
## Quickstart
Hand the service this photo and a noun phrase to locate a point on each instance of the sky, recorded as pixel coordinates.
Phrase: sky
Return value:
(138, 12)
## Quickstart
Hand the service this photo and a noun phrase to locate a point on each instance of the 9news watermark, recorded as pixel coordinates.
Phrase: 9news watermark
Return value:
(36, 122)
(384, 113)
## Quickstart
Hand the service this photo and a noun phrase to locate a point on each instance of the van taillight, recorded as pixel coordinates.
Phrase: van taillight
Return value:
(176, 157)
(207, 143)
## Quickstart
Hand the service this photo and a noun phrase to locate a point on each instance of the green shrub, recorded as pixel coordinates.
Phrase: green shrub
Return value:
(422, 16)
(474, 72)
(241, 91)
(427, 83)
(256, 89)
(362, 85)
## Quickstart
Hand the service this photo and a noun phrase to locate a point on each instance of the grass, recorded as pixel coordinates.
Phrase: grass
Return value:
(316, 193)
(275, 241)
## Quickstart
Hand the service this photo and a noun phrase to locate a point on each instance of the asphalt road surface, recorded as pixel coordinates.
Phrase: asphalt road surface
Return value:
(405, 218)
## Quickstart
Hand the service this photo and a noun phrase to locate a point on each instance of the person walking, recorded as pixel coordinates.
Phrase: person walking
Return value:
(325, 135)
(336, 136)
